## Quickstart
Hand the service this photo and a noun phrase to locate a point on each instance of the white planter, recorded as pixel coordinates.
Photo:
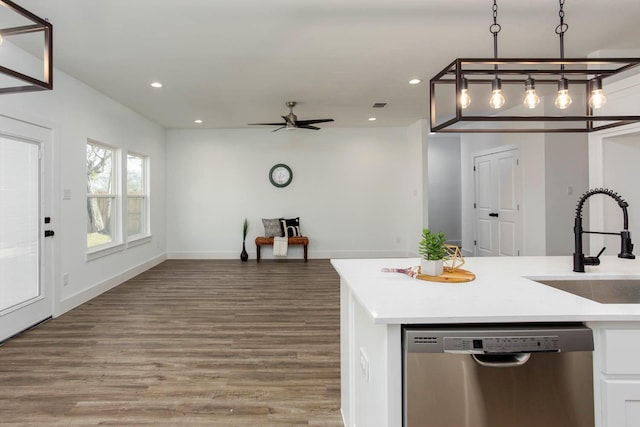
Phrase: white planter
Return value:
(431, 268)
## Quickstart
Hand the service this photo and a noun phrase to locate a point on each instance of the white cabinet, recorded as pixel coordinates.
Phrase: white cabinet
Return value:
(617, 374)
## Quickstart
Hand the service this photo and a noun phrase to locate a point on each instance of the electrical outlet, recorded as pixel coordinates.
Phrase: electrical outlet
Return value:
(65, 279)
(364, 364)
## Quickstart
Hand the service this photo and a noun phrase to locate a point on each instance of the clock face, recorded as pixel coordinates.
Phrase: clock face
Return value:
(280, 175)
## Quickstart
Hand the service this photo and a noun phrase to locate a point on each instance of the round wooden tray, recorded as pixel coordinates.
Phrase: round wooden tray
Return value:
(452, 276)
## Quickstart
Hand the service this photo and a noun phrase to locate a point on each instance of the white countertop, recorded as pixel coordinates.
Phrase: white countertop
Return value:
(502, 291)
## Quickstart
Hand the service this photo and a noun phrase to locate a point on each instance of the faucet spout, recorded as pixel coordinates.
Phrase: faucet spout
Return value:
(626, 247)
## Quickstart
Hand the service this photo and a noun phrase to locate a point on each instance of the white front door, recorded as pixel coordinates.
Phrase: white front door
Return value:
(498, 221)
(25, 195)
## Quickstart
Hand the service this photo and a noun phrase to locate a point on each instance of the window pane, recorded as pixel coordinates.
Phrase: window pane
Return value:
(99, 170)
(135, 216)
(100, 220)
(135, 175)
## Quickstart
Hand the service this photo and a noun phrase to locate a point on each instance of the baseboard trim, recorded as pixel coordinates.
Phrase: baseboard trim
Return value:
(295, 252)
(82, 297)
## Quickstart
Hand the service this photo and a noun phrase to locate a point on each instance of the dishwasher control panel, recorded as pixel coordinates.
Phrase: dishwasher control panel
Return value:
(513, 344)
(486, 339)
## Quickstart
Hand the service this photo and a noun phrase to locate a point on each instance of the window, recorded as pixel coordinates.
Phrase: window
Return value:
(137, 200)
(101, 195)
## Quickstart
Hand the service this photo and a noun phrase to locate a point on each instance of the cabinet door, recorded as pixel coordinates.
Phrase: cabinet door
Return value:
(621, 403)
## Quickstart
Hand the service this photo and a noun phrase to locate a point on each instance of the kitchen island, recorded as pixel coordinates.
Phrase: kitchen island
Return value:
(375, 305)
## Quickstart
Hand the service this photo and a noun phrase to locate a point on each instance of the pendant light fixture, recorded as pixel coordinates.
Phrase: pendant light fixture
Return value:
(531, 98)
(563, 100)
(497, 99)
(28, 24)
(572, 90)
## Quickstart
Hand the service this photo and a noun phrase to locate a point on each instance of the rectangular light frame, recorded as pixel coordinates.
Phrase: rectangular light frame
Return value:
(515, 71)
(38, 24)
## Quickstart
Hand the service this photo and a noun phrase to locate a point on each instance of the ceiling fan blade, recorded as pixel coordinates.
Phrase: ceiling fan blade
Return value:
(266, 124)
(308, 127)
(276, 130)
(314, 121)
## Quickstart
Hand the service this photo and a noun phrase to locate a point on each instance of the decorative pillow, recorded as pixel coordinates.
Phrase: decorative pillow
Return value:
(291, 227)
(272, 227)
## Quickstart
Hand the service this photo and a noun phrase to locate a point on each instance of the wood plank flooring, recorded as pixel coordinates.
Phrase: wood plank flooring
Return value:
(211, 342)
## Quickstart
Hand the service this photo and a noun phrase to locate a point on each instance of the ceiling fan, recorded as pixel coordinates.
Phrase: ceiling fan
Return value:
(291, 121)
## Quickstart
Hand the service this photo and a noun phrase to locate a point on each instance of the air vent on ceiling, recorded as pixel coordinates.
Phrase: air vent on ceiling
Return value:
(379, 105)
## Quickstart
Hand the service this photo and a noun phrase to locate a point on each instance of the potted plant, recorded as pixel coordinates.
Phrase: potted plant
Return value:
(245, 228)
(432, 249)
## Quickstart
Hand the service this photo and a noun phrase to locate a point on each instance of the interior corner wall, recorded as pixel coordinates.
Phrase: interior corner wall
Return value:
(350, 189)
(444, 178)
(76, 112)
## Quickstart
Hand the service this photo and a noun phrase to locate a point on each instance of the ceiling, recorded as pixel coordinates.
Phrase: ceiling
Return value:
(234, 62)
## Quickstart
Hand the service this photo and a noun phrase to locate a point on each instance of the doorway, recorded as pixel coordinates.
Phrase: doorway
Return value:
(498, 195)
(26, 288)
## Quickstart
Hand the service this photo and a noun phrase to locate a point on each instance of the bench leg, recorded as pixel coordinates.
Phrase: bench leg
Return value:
(258, 253)
(305, 253)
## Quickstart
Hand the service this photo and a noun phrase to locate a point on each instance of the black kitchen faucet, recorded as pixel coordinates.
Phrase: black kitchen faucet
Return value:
(626, 247)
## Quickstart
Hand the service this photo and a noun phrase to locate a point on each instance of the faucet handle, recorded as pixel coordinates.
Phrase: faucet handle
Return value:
(594, 260)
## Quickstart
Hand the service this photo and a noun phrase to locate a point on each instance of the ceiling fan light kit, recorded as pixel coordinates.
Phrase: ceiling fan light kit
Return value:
(291, 121)
(495, 85)
(21, 22)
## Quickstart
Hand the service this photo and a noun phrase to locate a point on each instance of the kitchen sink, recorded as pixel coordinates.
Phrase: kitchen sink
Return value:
(605, 291)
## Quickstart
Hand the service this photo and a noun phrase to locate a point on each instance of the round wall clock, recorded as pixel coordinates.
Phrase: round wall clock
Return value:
(280, 175)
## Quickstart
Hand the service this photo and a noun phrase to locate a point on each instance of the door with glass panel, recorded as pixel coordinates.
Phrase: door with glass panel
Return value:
(25, 199)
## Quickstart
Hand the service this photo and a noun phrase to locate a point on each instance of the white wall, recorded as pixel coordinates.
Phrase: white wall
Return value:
(566, 179)
(76, 112)
(353, 190)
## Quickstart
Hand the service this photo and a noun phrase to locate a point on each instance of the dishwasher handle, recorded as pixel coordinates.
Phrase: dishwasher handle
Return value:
(510, 360)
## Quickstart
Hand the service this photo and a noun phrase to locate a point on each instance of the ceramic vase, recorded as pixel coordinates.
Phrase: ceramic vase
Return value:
(244, 255)
(431, 268)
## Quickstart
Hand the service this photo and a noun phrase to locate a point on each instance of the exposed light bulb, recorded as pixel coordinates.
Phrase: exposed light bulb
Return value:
(465, 99)
(597, 99)
(1, 39)
(497, 100)
(531, 99)
(563, 100)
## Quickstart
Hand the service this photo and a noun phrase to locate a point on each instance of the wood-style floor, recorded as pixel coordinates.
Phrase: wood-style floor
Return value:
(213, 343)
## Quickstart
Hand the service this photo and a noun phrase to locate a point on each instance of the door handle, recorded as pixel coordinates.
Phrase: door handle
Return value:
(49, 233)
(494, 214)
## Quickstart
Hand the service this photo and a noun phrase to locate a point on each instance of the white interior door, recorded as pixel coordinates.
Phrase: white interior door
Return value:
(25, 194)
(498, 221)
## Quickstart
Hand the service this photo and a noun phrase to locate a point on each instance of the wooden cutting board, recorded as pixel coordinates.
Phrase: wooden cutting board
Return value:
(456, 276)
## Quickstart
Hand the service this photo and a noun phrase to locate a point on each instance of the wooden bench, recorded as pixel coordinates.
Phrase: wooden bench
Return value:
(302, 240)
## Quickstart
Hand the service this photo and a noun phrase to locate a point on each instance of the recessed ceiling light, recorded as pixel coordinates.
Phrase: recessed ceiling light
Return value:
(372, 119)
(415, 81)
(198, 121)
(156, 84)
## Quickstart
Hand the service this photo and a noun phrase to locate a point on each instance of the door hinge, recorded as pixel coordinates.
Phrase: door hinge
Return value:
(517, 207)
(474, 206)
(474, 168)
(475, 243)
(518, 252)
(517, 162)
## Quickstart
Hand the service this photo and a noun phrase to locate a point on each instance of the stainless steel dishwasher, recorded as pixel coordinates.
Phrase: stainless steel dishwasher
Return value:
(498, 376)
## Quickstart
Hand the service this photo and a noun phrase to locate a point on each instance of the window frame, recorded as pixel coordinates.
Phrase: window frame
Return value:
(116, 244)
(145, 234)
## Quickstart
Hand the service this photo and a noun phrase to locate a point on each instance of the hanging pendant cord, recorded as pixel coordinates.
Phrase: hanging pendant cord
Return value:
(560, 30)
(495, 29)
